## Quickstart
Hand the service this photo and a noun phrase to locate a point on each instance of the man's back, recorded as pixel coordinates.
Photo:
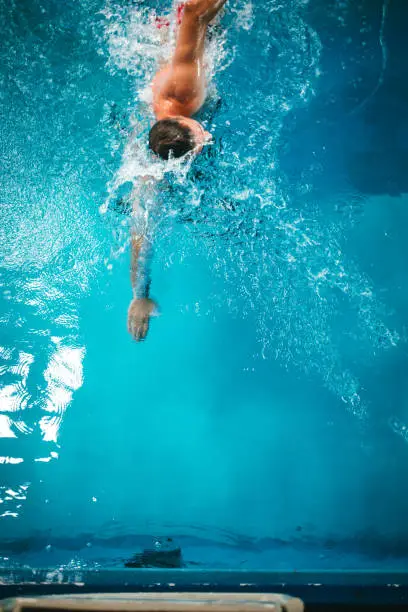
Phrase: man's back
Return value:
(179, 87)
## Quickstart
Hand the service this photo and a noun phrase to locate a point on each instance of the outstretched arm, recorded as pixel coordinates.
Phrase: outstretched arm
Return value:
(141, 307)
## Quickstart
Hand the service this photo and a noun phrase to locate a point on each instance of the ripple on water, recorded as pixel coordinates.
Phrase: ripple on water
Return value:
(280, 260)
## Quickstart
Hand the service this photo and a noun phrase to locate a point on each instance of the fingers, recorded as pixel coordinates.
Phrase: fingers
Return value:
(139, 315)
(133, 327)
(145, 329)
(138, 329)
(138, 334)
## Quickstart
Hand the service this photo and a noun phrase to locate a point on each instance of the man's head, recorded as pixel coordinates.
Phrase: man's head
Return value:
(176, 136)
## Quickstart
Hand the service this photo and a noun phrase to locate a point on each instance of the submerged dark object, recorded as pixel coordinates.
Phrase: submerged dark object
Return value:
(159, 556)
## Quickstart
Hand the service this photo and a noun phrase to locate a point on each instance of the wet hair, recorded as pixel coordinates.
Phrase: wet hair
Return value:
(168, 137)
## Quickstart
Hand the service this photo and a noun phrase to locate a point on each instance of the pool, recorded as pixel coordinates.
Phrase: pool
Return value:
(263, 424)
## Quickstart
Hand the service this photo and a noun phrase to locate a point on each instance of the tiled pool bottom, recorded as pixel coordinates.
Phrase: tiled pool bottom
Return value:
(319, 590)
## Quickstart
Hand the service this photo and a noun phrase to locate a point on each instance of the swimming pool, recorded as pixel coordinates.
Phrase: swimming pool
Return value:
(263, 424)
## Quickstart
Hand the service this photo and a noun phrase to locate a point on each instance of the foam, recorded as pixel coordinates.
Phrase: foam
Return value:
(278, 261)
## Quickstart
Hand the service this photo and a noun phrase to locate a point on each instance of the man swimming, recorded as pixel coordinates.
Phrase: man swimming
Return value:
(178, 93)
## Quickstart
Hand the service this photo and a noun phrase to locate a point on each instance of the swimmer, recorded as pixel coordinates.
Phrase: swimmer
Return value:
(178, 93)
(179, 86)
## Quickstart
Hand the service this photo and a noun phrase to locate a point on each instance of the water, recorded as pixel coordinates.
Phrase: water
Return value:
(263, 425)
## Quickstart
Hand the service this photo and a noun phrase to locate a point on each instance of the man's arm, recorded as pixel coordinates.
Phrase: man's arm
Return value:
(197, 14)
(190, 38)
(139, 265)
(141, 306)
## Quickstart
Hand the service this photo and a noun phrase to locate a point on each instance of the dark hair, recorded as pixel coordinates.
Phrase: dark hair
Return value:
(168, 137)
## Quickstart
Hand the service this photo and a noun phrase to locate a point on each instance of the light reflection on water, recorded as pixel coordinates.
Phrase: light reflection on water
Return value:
(50, 251)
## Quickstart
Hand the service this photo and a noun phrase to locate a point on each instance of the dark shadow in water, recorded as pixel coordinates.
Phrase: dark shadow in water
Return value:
(355, 132)
(382, 164)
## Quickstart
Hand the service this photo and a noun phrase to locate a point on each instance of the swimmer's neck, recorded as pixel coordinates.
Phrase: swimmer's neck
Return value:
(165, 113)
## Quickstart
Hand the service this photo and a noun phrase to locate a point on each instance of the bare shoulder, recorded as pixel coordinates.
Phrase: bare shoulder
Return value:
(160, 86)
(161, 78)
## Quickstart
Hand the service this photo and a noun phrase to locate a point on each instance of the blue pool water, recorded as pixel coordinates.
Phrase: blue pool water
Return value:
(263, 424)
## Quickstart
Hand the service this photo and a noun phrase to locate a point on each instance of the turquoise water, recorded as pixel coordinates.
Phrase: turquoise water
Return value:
(262, 424)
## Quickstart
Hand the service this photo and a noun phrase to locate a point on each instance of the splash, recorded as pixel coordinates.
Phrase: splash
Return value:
(279, 259)
(136, 45)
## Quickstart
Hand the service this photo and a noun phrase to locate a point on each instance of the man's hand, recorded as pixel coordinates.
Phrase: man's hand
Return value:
(140, 311)
(204, 10)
